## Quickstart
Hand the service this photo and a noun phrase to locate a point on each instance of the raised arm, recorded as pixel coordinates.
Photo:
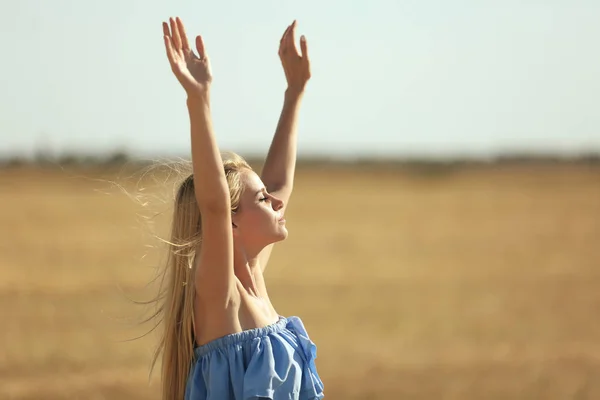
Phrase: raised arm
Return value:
(215, 270)
(280, 165)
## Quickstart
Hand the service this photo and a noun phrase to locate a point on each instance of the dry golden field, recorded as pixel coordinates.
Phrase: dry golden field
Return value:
(473, 283)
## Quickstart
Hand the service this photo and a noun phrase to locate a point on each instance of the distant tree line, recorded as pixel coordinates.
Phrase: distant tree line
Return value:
(42, 159)
(120, 158)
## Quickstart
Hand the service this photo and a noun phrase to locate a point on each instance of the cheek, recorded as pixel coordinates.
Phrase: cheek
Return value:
(265, 219)
(255, 217)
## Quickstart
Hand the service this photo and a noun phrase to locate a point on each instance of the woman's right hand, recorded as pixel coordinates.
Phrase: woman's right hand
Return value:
(193, 72)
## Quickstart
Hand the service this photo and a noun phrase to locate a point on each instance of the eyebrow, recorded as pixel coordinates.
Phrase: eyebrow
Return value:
(260, 191)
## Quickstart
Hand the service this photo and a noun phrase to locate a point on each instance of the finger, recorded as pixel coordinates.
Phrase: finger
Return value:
(283, 41)
(184, 39)
(200, 47)
(303, 47)
(166, 30)
(284, 34)
(175, 35)
(169, 49)
(291, 39)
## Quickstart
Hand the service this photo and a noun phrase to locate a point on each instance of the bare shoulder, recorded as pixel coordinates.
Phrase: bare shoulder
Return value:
(244, 311)
(215, 316)
(216, 300)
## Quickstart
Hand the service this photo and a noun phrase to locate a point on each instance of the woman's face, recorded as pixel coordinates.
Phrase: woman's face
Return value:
(259, 220)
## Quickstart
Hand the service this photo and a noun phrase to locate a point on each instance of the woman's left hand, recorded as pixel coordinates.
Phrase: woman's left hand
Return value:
(296, 66)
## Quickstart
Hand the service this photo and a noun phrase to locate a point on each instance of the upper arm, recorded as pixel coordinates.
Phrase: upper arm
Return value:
(215, 277)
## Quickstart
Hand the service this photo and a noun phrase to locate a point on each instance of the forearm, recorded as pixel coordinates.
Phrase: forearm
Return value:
(280, 164)
(209, 178)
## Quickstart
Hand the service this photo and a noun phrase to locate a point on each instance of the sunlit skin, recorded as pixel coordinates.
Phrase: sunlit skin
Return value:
(259, 220)
(232, 295)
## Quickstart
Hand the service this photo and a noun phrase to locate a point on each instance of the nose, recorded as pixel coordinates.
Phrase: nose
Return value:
(277, 203)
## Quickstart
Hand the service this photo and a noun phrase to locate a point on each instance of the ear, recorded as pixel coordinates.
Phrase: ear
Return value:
(234, 226)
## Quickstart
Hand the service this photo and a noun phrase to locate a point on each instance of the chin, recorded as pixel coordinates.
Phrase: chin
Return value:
(282, 234)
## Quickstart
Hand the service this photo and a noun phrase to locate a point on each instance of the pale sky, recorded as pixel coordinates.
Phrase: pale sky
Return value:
(419, 77)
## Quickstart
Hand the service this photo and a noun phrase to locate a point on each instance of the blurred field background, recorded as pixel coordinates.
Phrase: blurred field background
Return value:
(467, 282)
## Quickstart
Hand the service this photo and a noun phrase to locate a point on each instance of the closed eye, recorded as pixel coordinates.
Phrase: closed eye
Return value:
(264, 199)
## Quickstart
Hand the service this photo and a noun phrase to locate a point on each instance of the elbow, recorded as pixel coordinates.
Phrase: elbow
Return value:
(213, 196)
(278, 185)
(215, 204)
(283, 189)
(215, 208)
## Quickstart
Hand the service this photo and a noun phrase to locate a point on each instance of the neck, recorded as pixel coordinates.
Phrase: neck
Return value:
(245, 265)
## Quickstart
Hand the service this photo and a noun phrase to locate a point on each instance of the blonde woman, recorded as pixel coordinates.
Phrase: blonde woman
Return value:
(222, 337)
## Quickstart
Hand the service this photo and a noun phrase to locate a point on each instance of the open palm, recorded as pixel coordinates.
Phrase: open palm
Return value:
(191, 70)
(296, 66)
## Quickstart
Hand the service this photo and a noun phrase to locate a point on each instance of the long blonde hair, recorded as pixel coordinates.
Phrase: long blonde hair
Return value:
(176, 293)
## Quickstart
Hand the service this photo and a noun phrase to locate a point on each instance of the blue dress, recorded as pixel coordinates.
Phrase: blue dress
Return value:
(275, 362)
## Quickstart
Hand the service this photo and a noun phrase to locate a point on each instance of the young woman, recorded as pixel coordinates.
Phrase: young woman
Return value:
(222, 337)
